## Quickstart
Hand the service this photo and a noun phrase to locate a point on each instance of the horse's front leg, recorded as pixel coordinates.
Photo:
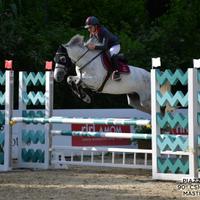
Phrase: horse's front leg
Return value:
(77, 88)
(73, 80)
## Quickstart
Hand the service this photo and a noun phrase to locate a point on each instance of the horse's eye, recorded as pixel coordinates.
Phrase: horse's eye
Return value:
(63, 59)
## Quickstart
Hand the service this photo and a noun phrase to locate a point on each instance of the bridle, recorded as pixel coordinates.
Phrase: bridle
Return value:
(61, 66)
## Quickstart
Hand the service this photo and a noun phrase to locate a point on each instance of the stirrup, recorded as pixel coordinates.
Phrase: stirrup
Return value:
(116, 76)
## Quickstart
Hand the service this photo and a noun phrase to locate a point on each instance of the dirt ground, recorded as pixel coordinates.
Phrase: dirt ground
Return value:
(86, 183)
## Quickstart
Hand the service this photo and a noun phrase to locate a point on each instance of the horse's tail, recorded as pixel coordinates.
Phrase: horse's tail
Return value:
(163, 89)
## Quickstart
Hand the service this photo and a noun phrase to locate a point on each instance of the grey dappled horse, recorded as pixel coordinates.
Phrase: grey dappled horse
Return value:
(91, 74)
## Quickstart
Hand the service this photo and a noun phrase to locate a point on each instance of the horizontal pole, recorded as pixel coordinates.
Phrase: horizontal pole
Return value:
(63, 120)
(144, 136)
(103, 134)
(100, 149)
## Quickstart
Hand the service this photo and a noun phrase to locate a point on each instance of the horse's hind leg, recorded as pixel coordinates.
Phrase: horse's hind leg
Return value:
(163, 89)
(134, 101)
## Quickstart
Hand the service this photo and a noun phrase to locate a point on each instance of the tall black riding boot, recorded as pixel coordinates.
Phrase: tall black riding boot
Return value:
(115, 74)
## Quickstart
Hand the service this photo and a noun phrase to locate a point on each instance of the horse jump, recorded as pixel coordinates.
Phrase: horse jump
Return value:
(182, 163)
(42, 157)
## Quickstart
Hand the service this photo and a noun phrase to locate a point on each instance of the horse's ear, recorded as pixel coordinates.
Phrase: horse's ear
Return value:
(65, 46)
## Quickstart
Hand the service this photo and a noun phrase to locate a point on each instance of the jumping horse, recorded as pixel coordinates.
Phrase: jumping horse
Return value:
(91, 73)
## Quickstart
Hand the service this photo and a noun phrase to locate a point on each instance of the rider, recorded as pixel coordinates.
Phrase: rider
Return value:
(107, 41)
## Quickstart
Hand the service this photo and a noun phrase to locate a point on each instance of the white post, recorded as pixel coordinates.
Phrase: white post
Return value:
(48, 112)
(8, 115)
(21, 107)
(155, 108)
(193, 128)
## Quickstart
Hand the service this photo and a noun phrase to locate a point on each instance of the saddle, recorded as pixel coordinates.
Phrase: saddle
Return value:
(121, 63)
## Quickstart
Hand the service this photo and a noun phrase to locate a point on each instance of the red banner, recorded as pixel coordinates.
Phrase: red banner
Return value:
(92, 141)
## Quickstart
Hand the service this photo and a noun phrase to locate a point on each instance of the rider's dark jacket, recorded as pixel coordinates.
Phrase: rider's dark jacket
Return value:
(105, 38)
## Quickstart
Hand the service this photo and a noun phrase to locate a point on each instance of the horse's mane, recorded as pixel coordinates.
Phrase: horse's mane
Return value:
(77, 39)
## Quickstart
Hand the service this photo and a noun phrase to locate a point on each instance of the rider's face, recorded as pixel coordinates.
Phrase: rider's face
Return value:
(91, 29)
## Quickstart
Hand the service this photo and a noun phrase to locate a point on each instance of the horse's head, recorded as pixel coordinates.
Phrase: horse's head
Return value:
(66, 55)
(62, 63)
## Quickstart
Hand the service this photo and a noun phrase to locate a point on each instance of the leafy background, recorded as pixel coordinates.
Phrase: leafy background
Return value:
(31, 31)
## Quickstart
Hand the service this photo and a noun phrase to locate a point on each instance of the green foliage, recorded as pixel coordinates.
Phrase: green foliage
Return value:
(30, 31)
(175, 36)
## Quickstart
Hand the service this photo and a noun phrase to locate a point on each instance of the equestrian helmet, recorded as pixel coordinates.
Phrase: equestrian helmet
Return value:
(91, 21)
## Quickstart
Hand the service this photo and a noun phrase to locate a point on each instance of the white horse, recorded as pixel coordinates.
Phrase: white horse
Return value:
(91, 74)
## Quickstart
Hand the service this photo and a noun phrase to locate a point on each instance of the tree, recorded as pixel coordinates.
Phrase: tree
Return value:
(31, 31)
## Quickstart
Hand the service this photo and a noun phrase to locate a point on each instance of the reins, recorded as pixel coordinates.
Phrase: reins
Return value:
(80, 68)
(91, 60)
(81, 56)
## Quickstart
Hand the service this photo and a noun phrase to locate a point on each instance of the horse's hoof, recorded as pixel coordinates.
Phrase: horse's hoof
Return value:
(87, 99)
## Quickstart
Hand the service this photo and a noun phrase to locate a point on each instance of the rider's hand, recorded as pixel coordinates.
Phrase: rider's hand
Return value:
(91, 46)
